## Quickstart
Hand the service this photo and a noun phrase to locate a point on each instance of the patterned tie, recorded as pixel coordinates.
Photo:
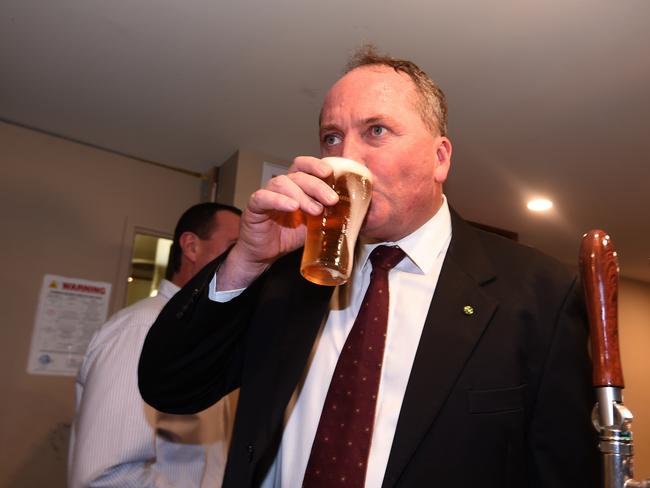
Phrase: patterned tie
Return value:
(339, 456)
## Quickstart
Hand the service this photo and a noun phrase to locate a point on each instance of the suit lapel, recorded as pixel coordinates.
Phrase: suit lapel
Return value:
(298, 323)
(310, 305)
(450, 334)
(284, 342)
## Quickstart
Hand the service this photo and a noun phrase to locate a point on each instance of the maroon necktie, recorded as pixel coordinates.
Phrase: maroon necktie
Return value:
(339, 455)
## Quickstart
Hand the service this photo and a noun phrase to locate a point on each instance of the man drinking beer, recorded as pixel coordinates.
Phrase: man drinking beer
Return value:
(451, 356)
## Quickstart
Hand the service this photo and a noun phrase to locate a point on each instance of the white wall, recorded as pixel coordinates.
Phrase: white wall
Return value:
(71, 210)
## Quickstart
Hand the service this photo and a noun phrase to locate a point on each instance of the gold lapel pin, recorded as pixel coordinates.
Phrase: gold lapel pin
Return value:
(468, 310)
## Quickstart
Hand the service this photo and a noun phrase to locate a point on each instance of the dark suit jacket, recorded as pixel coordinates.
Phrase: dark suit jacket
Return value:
(498, 398)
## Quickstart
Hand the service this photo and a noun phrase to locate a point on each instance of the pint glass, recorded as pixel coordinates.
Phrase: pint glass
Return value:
(331, 236)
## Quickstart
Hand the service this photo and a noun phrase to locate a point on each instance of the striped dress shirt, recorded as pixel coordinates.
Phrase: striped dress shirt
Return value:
(119, 441)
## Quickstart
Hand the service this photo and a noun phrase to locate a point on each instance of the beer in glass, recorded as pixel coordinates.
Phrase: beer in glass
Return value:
(331, 236)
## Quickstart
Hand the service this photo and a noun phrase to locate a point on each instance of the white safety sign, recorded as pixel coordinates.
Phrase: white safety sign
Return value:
(69, 311)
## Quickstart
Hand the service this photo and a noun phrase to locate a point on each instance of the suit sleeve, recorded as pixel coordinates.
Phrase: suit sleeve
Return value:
(562, 441)
(193, 353)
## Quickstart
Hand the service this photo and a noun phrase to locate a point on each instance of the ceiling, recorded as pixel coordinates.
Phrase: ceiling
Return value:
(546, 98)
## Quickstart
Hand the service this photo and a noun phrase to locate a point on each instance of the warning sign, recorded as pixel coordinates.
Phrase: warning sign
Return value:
(69, 311)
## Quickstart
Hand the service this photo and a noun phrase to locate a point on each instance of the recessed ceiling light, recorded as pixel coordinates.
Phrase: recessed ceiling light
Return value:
(539, 205)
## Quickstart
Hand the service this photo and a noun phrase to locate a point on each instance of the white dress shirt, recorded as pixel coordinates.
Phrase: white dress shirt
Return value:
(113, 440)
(412, 284)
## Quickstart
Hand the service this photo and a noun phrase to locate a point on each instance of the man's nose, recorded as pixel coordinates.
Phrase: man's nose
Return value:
(353, 150)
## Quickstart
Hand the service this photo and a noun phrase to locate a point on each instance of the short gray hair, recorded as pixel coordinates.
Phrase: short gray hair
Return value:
(431, 103)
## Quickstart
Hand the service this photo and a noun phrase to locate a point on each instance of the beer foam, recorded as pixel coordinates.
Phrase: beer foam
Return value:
(359, 205)
(340, 165)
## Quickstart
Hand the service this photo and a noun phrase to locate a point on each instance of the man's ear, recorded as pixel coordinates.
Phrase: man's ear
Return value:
(443, 163)
(189, 242)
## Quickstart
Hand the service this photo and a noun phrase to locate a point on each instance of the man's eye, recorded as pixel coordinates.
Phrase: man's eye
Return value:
(331, 139)
(378, 130)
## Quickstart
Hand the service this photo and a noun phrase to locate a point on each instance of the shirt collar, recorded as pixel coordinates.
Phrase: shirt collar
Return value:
(167, 289)
(421, 246)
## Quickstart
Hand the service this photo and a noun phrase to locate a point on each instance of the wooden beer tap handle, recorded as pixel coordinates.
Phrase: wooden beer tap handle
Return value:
(599, 270)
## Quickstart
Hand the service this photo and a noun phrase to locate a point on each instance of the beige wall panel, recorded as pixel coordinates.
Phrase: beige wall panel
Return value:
(71, 210)
(241, 175)
(634, 336)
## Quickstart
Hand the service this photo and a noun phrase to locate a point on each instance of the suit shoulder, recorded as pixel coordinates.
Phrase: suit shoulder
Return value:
(521, 260)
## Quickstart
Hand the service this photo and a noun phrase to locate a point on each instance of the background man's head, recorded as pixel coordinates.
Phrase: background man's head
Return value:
(203, 232)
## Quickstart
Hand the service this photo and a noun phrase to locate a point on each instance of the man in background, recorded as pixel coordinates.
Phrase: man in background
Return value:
(119, 441)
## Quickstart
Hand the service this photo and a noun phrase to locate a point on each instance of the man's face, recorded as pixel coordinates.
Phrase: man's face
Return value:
(369, 115)
(226, 225)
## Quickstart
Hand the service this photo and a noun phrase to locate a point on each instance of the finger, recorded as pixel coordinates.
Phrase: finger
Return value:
(317, 189)
(311, 165)
(263, 201)
(309, 192)
(282, 194)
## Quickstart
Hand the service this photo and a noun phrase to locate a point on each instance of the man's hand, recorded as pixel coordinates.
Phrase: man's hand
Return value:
(273, 223)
